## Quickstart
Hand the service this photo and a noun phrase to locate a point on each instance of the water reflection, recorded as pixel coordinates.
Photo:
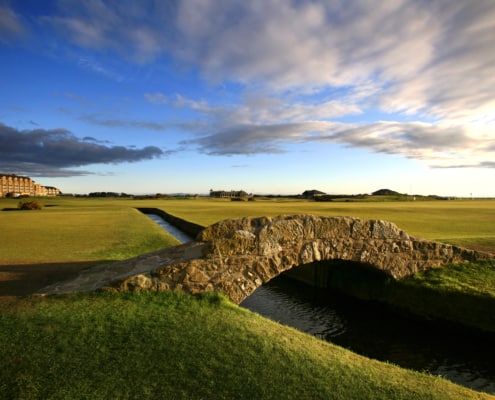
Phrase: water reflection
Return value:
(175, 232)
(377, 332)
(372, 330)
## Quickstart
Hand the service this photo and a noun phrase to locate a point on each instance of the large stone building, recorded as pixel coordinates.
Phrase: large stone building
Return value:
(225, 194)
(14, 186)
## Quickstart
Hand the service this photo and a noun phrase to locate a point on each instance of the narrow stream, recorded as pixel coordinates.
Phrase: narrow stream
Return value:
(175, 232)
(374, 330)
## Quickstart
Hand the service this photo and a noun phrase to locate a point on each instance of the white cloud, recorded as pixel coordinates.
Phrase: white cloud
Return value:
(431, 56)
(156, 98)
(270, 126)
(255, 139)
(457, 84)
(304, 64)
(305, 43)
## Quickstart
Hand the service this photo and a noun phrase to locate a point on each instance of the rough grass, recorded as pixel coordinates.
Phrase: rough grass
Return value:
(171, 345)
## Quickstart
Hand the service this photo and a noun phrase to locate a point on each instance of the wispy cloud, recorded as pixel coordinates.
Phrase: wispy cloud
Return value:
(11, 25)
(79, 99)
(302, 66)
(109, 117)
(253, 139)
(268, 126)
(54, 151)
(96, 119)
(426, 56)
(90, 63)
(136, 32)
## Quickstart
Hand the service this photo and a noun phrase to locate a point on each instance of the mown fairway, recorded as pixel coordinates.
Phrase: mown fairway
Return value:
(78, 229)
(73, 230)
(171, 345)
(466, 223)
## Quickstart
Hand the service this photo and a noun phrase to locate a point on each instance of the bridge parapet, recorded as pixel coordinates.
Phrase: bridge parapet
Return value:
(237, 256)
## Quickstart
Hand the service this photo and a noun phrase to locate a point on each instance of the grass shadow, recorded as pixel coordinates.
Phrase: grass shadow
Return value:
(26, 279)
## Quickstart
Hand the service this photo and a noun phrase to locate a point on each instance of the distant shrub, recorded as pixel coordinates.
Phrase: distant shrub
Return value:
(29, 205)
(385, 192)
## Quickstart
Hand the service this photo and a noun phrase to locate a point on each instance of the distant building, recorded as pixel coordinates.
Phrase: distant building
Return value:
(231, 194)
(14, 186)
(311, 194)
(52, 191)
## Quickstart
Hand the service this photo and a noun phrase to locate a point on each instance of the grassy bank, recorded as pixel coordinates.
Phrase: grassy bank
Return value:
(463, 293)
(171, 345)
(138, 345)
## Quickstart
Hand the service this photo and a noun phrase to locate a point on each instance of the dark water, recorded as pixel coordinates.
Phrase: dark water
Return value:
(373, 330)
(377, 332)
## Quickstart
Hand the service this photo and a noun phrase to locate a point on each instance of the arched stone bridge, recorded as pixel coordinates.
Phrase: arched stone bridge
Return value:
(238, 255)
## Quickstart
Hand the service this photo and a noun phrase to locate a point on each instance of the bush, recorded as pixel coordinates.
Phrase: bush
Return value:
(29, 205)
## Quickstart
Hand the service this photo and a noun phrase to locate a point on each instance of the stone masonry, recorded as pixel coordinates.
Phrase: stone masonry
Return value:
(237, 256)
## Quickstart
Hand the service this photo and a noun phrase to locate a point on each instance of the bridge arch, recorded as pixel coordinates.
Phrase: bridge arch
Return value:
(236, 256)
(337, 274)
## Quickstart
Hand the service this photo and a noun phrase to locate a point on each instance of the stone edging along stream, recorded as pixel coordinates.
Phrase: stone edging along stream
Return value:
(188, 227)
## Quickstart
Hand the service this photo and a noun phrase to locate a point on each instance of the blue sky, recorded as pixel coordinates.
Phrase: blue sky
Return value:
(268, 96)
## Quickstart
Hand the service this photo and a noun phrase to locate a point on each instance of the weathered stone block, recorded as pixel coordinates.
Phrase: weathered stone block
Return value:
(236, 256)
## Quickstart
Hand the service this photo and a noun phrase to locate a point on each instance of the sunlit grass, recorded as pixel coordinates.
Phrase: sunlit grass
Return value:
(174, 346)
(472, 278)
(85, 229)
(171, 345)
(74, 231)
(462, 222)
(463, 293)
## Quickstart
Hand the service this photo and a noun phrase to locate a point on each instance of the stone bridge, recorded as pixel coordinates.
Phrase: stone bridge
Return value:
(238, 255)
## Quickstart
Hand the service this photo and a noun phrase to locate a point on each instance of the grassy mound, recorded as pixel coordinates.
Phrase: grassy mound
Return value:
(171, 345)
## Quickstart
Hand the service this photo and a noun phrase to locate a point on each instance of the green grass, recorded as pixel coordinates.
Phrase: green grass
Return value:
(463, 222)
(462, 294)
(68, 231)
(476, 279)
(174, 346)
(468, 223)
